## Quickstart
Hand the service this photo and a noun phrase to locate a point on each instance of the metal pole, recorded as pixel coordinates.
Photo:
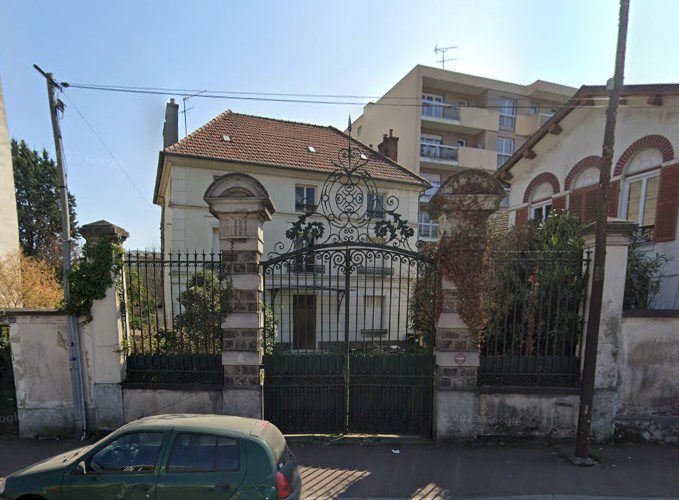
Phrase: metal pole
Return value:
(74, 338)
(596, 297)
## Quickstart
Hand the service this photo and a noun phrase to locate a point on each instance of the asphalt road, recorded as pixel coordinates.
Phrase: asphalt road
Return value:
(439, 471)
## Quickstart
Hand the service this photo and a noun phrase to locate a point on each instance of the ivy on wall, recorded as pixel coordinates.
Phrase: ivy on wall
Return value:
(93, 274)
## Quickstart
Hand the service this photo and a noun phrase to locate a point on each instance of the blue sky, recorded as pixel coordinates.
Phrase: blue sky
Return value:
(349, 47)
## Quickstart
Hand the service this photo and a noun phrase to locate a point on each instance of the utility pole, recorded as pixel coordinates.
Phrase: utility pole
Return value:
(75, 353)
(596, 297)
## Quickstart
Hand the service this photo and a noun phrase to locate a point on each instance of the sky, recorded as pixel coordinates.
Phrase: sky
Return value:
(315, 47)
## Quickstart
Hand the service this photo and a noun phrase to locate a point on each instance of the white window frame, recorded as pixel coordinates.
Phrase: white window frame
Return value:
(507, 109)
(502, 154)
(372, 211)
(462, 143)
(306, 188)
(545, 207)
(435, 102)
(432, 226)
(643, 177)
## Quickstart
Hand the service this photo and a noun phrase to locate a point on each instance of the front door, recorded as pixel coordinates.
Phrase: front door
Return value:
(304, 321)
(122, 468)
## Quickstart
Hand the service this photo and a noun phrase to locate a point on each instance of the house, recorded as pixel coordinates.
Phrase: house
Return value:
(292, 161)
(9, 225)
(447, 121)
(557, 169)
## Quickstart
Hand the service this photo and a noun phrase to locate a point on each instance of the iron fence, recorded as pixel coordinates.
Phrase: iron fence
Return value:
(174, 306)
(534, 312)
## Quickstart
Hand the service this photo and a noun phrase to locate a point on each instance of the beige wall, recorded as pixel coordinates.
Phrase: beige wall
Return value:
(9, 228)
(581, 137)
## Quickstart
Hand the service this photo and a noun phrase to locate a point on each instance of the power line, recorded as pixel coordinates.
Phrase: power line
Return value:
(262, 97)
(120, 166)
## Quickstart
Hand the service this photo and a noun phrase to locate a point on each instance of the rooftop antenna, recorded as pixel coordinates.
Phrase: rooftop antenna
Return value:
(442, 51)
(185, 109)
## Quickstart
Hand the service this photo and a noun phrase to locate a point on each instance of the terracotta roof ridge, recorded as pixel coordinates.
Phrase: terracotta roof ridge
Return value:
(383, 157)
(171, 147)
(280, 120)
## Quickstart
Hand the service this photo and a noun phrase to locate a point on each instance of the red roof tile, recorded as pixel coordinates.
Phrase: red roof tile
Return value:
(267, 141)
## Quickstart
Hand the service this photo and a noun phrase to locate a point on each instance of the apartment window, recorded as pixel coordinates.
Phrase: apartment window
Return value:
(432, 105)
(375, 205)
(426, 227)
(534, 109)
(505, 149)
(305, 198)
(461, 142)
(507, 108)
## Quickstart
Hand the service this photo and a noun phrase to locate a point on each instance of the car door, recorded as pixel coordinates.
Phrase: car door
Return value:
(201, 465)
(123, 468)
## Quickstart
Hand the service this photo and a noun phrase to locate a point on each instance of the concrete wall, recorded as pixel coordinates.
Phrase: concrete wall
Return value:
(581, 137)
(9, 226)
(142, 402)
(528, 412)
(649, 377)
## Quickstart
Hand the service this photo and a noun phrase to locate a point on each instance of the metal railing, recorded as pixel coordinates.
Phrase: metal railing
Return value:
(174, 306)
(533, 306)
(439, 152)
(442, 111)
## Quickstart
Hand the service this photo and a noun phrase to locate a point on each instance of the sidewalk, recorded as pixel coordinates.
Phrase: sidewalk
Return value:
(438, 471)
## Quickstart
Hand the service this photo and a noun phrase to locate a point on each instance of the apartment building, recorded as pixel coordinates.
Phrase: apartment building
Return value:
(443, 121)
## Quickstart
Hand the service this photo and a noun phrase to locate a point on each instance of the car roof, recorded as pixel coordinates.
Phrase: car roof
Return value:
(193, 422)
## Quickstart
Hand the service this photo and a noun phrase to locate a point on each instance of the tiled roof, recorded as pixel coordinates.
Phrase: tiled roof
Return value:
(267, 141)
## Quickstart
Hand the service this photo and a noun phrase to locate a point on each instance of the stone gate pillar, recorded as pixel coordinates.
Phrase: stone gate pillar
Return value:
(462, 205)
(242, 205)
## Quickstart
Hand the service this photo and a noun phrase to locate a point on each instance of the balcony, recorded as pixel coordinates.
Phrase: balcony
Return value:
(455, 118)
(529, 124)
(484, 159)
(439, 154)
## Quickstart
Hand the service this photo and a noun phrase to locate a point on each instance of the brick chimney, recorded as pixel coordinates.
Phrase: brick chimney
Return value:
(171, 126)
(389, 146)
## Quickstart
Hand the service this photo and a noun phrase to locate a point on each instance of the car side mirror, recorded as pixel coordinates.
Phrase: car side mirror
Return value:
(81, 468)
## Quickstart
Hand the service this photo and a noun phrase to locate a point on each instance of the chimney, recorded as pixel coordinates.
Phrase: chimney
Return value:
(389, 146)
(171, 126)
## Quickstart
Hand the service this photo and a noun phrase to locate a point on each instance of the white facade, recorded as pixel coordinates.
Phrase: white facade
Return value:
(9, 224)
(580, 138)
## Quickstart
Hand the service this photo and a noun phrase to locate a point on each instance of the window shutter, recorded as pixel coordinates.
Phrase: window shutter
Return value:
(558, 204)
(668, 201)
(575, 208)
(590, 196)
(521, 216)
(613, 192)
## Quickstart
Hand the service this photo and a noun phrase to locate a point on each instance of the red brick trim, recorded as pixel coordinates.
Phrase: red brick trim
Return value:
(650, 141)
(540, 179)
(581, 166)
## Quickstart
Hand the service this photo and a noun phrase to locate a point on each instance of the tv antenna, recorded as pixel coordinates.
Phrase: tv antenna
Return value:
(184, 99)
(442, 51)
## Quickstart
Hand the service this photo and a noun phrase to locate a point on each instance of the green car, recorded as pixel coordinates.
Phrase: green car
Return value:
(168, 457)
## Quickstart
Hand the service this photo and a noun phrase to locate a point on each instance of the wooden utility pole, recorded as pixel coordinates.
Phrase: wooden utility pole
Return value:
(75, 353)
(596, 294)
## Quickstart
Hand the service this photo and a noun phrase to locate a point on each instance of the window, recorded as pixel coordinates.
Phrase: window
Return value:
(133, 452)
(204, 453)
(305, 199)
(541, 211)
(375, 205)
(461, 142)
(541, 201)
(432, 105)
(641, 199)
(533, 109)
(505, 149)
(426, 227)
(434, 180)
(507, 108)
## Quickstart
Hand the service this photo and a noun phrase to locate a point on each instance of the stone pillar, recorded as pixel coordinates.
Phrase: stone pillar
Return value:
(466, 196)
(242, 205)
(605, 404)
(101, 340)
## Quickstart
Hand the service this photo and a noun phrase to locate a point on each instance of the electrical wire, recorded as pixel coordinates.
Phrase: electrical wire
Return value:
(108, 150)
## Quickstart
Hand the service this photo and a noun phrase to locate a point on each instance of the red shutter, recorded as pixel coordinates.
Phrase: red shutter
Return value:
(613, 190)
(521, 216)
(668, 201)
(558, 204)
(575, 206)
(590, 195)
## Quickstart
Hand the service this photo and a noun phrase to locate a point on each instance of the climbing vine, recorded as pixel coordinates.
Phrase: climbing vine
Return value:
(96, 271)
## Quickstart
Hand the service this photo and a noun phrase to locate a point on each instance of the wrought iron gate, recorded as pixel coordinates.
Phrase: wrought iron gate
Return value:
(349, 315)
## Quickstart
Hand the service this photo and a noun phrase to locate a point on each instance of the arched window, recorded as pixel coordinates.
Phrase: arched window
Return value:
(586, 178)
(640, 188)
(541, 201)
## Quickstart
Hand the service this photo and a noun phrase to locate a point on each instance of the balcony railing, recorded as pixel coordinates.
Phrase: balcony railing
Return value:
(441, 111)
(439, 152)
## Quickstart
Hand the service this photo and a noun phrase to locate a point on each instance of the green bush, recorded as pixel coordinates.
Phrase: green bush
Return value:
(642, 282)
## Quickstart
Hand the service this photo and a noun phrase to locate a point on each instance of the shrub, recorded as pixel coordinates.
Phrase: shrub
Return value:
(28, 282)
(642, 282)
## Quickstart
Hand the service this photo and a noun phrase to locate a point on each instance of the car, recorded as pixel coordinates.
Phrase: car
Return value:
(168, 457)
